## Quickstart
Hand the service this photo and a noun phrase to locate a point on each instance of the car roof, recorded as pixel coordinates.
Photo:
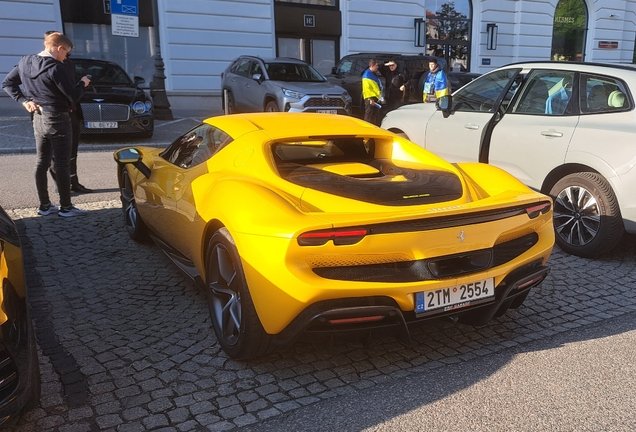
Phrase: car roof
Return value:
(275, 59)
(93, 61)
(572, 65)
(296, 125)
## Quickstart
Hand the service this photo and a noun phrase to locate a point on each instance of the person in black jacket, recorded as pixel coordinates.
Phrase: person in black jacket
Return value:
(76, 120)
(393, 84)
(50, 91)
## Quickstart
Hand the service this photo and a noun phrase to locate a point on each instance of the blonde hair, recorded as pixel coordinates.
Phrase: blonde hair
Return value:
(55, 39)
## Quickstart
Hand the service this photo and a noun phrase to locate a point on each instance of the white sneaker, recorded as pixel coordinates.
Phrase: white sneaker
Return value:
(48, 209)
(71, 211)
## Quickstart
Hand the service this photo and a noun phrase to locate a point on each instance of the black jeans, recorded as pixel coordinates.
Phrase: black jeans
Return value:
(76, 121)
(53, 140)
(371, 112)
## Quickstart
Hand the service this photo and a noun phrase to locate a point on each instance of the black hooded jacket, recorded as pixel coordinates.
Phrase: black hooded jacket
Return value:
(47, 82)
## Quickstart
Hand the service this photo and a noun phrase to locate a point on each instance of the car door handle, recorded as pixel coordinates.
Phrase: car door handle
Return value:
(551, 133)
(471, 126)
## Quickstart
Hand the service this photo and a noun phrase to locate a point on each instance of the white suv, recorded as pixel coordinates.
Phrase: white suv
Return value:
(253, 84)
(565, 129)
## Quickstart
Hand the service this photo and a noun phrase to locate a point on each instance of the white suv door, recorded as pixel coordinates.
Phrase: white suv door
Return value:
(459, 137)
(533, 136)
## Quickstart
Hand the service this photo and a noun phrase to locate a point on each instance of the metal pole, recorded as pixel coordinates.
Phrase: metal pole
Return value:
(160, 102)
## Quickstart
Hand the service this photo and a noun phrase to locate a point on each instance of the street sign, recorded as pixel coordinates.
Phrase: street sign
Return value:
(125, 17)
(125, 25)
(124, 7)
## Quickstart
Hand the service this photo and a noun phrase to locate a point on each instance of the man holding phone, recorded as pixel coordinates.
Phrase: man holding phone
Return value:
(50, 91)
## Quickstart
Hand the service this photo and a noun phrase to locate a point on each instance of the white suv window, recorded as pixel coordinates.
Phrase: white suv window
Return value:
(601, 94)
(483, 93)
(547, 92)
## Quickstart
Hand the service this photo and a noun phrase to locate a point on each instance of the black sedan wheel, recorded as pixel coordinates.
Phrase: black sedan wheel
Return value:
(134, 224)
(236, 324)
(587, 219)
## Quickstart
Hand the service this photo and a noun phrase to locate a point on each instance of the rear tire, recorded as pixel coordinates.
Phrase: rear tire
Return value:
(236, 324)
(135, 226)
(587, 218)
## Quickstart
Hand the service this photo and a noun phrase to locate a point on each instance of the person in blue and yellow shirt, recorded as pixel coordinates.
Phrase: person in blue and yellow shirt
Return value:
(436, 84)
(371, 92)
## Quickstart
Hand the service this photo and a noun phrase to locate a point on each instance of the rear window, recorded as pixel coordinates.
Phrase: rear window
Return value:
(347, 167)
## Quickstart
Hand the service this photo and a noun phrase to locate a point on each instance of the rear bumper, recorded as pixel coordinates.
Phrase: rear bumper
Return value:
(366, 313)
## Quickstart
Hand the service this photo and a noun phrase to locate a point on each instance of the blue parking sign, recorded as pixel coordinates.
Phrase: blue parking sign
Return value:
(124, 7)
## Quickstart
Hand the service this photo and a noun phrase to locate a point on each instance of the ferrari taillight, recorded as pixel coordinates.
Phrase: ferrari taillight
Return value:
(536, 209)
(339, 237)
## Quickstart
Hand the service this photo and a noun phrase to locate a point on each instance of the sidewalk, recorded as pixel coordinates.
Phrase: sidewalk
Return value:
(16, 131)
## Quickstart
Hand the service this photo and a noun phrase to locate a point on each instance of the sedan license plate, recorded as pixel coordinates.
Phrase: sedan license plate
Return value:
(327, 111)
(454, 297)
(101, 125)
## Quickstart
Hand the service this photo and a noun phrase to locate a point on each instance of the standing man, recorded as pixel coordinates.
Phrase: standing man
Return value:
(76, 119)
(394, 85)
(371, 92)
(436, 84)
(49, 93)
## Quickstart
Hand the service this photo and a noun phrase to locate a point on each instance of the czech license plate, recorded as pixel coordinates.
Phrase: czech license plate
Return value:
(327, 111)
(454, 297)
(101, 125)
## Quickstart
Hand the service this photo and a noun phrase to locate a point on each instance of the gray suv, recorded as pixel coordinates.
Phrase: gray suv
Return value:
(253, 84)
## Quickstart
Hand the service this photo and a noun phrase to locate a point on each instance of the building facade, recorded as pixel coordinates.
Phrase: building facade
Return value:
(197, 39)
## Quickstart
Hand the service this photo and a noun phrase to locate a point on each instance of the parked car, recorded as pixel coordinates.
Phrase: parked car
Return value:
(348, 74)
(565, 129)
(113, 103)
(254, 84)
(312, 222)
(19, 366)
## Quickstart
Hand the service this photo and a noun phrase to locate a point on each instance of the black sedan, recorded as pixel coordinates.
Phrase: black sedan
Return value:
(113, 102)
(19, 367)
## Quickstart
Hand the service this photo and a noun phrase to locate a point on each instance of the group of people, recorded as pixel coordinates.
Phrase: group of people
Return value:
(379, 99)
(46, 86)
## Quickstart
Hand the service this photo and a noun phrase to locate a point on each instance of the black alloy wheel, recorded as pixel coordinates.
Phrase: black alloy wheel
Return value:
(234, 318)
(587, 218)
(135, 226)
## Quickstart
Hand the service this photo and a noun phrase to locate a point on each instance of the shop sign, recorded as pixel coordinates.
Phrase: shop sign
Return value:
(310, 20)
(608, 44)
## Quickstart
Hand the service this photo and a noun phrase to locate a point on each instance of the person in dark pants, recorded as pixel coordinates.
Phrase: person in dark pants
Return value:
(49, 93)
(76, 120)
(371, 93)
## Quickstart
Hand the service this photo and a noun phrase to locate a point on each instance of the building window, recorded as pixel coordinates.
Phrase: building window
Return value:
(332, 3)
(569, 31)
(448, 25)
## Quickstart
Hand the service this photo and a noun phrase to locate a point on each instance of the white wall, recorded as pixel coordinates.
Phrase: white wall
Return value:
(525, 29)
(22, 27)
(199, 39)
(380, 26)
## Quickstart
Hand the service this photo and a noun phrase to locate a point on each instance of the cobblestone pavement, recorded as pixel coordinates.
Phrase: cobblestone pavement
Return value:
(126, 343)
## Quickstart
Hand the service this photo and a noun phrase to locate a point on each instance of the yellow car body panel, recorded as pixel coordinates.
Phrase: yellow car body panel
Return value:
(244, 187)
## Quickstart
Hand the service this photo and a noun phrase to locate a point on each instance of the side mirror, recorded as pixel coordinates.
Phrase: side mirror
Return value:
(139, 80)
(444, 104)
(334, 71)
(133, 157)
(258, 77)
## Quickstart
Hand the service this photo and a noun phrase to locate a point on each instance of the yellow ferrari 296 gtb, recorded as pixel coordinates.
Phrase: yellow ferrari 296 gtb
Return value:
(300, 222)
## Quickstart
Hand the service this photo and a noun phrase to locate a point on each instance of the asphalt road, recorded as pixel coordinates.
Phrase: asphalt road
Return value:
(126, 344)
